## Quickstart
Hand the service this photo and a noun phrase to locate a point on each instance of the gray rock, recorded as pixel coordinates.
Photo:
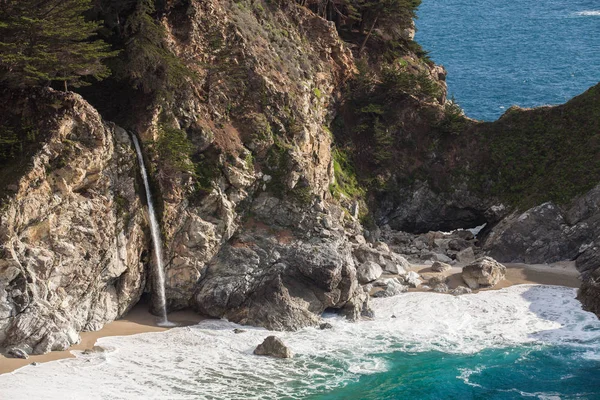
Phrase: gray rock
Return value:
(73, 233)
(458, 244)
(412, 279)
(589, 259)
(441, 288)
(397, 265)
(325, 325)
(280, 286)
(589, 294)
(547, 233)
(435, 281)
(368, 272)
(465, 256)
(464, 235)
(440, 267)
(393, 288)
(439, 257)
(483, 272)
(238, 331)
(460, 290)
(17, 353)
(273, 346)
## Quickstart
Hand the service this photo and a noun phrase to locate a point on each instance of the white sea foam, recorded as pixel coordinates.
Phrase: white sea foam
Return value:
(209, 361)
(590, 13)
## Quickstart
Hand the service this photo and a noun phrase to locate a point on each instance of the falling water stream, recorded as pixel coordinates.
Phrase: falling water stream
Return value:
(159, 287)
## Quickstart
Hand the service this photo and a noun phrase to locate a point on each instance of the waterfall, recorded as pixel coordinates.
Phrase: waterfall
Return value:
(159, 280)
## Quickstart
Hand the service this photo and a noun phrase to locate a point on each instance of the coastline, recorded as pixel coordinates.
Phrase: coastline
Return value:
(139, 320)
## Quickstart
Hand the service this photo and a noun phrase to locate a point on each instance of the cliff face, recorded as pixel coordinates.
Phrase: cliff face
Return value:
(258, 243)
(71, 229)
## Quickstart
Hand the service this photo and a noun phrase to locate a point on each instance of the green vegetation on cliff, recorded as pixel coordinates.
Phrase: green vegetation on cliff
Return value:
(543, 154)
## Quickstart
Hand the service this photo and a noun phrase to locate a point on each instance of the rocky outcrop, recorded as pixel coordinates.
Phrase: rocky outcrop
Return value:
(282, 275)
(72, 230)
(274, 347)
(483, 272)
(549, 232)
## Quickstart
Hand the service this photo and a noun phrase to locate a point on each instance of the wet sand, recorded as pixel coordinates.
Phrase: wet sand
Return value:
(138, 320)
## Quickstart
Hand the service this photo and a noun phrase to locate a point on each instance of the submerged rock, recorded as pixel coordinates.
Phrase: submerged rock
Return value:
(483, 272)
(273, 346)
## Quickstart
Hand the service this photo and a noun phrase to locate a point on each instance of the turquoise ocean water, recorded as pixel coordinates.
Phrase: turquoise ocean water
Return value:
(500, 52)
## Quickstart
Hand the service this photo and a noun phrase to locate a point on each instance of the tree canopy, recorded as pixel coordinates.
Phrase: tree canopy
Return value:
(44, 41)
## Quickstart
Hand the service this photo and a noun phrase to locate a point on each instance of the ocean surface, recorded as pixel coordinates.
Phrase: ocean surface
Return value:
(500, 53)
(526, 341)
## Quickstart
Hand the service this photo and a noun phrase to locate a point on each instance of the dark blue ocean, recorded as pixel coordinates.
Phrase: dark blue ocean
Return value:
(500, 53)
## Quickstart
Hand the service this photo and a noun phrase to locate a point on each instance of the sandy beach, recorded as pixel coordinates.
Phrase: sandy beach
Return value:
(139, 320)
(560, 274)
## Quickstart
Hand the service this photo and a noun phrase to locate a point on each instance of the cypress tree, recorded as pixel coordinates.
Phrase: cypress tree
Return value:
(45, 41)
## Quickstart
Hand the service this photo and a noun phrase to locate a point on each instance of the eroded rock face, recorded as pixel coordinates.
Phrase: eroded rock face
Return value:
(72, 233)
(548, 233)
(589, 295)
(483, 272)
(282, 275)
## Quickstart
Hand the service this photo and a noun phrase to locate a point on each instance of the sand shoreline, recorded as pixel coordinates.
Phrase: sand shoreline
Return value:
(139, 320)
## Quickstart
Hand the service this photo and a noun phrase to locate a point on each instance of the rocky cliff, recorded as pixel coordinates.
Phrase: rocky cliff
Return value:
(72, 227)
(283, 137)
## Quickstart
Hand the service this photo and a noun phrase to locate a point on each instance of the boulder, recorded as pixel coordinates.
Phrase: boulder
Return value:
(412, 279)
(273, 346)
(483, 272)
(397, 265)
(465, 256)
(441, 288)
(15, 352)
(440, 267)
(460, 291)
(458, 244)
(464, 234)
(325, 325)
(436, 257)
(393, 288)
(368, 272)
(437, 280)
